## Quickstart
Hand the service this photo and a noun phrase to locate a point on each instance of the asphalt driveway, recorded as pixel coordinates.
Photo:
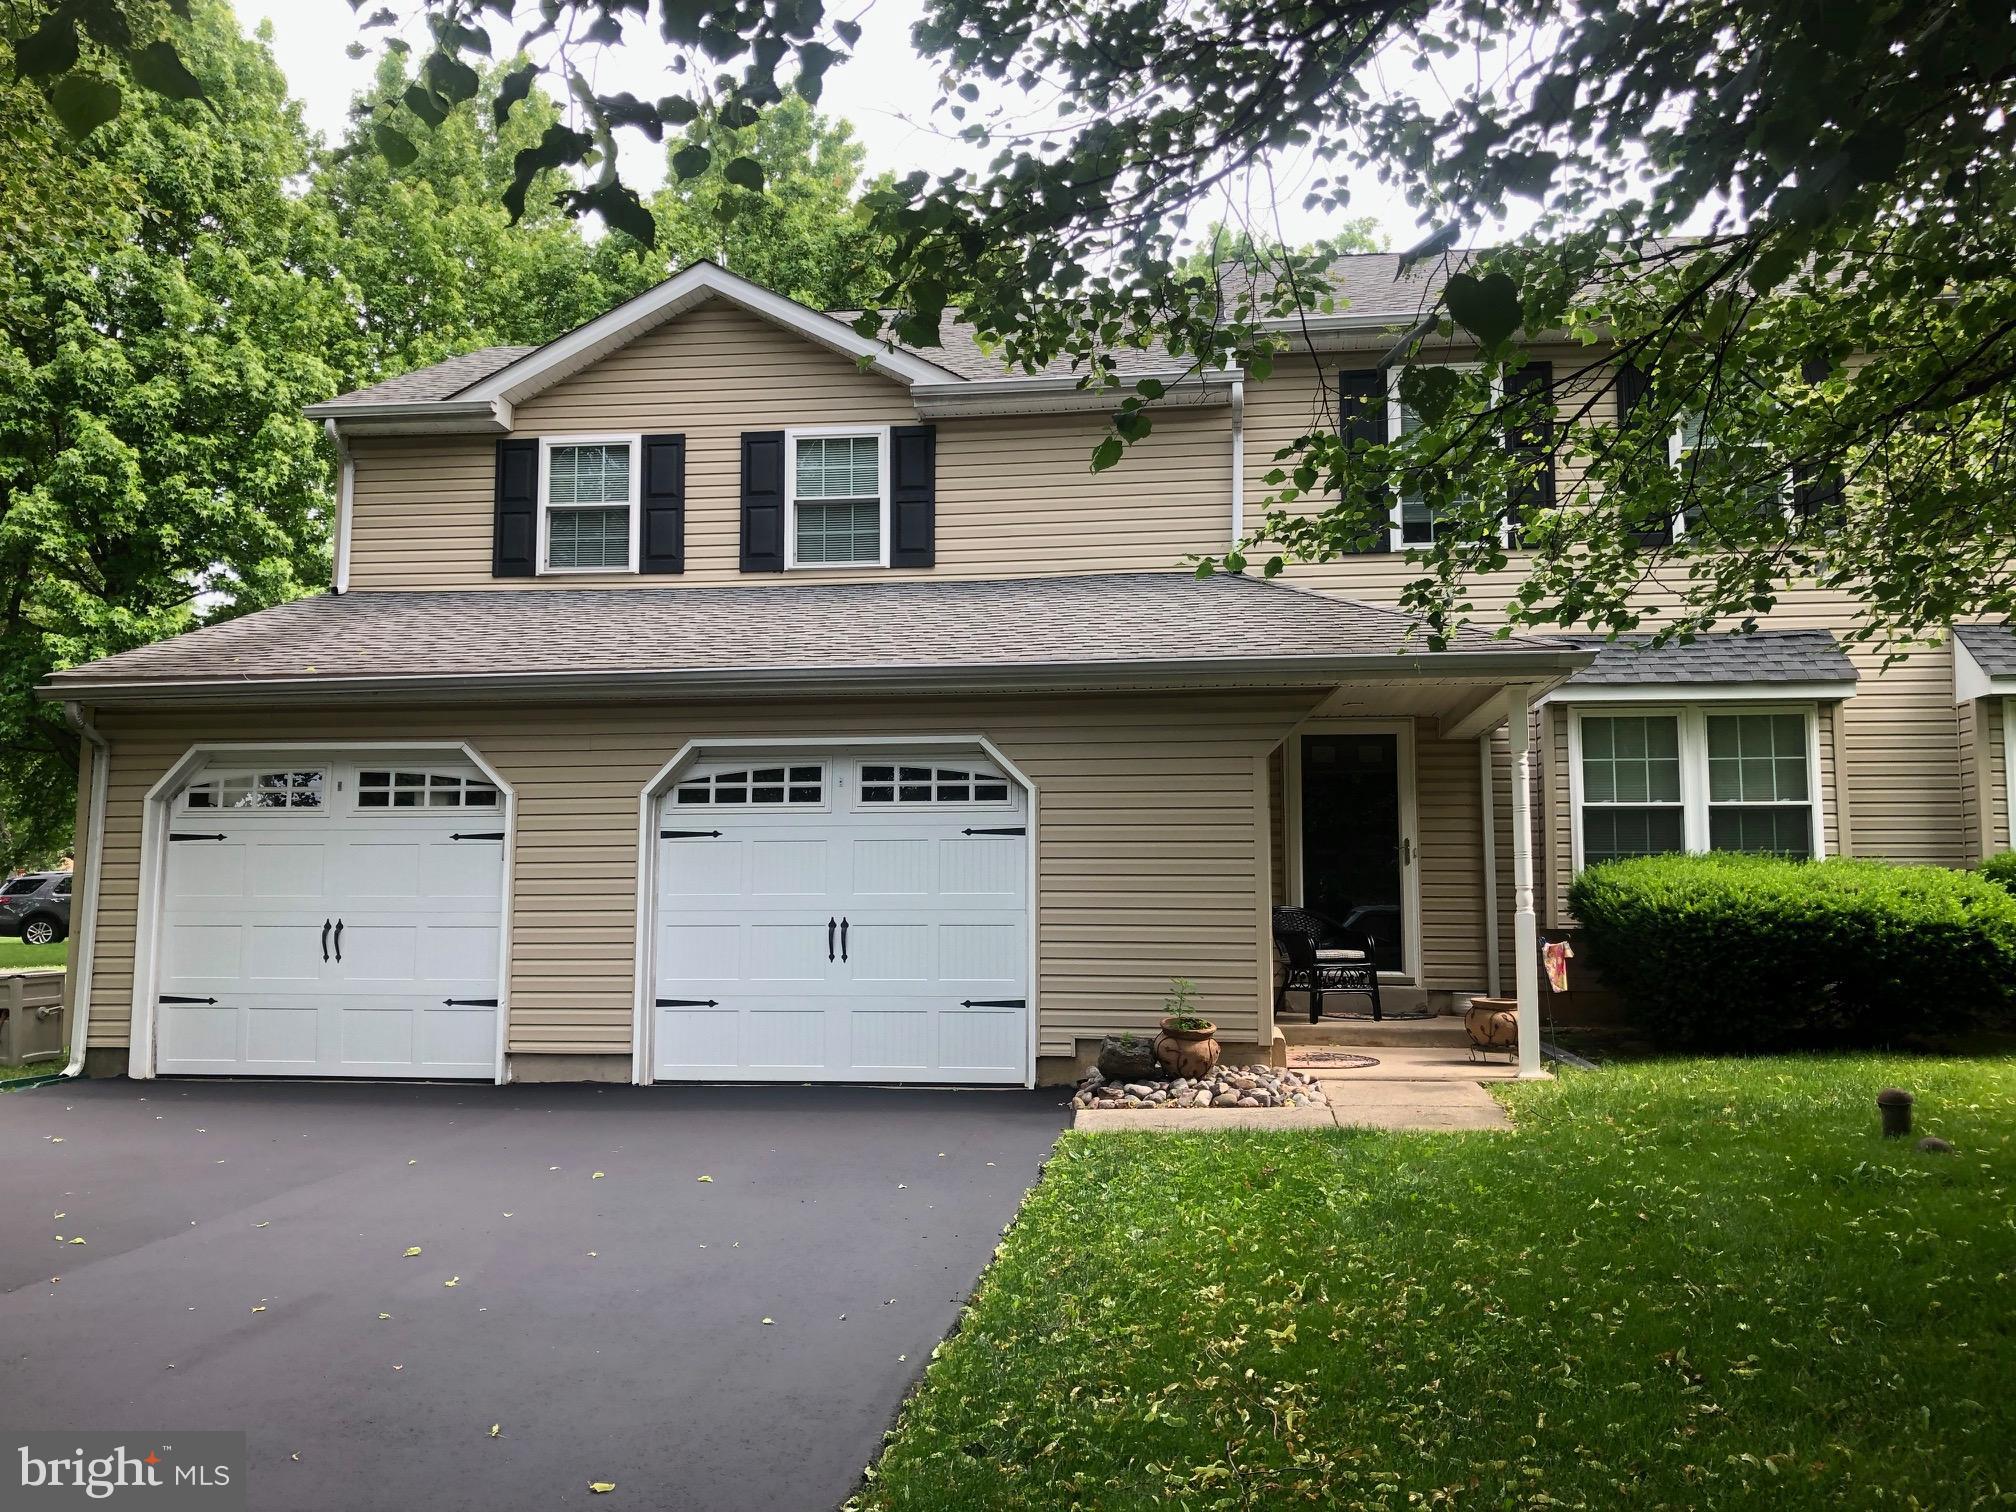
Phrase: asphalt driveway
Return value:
(739, 1341)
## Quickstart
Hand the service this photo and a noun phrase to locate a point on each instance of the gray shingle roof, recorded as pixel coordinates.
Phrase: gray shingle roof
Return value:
(1763, 656)
(1140, 619)
(1992, 646)
(441, 380)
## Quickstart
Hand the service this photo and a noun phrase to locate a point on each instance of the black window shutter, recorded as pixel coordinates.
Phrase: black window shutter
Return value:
(763, 501)
(1633, 383)
(1815, 488)
(1631, 386)
(663, 505)
(913, 495)
(1532, 441)
(1361, 416)
(514, 539)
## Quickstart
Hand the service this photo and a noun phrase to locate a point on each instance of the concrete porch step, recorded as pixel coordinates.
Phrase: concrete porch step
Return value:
(1441, 1031)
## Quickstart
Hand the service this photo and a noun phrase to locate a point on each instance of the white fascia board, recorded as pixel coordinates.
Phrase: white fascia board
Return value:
(567, 354)
(1971, 680)
(417, 417)
(1701, 693)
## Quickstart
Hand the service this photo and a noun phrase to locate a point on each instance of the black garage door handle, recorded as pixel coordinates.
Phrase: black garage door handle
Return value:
(339, 940)
(829, 939)
(843, 939)
(325, 939)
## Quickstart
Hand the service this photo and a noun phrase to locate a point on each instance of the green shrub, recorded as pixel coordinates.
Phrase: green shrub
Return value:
(2001, 870)
(1751, 952)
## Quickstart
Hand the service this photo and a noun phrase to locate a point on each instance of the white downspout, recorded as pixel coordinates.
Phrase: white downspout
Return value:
(1238, 460)
(1525, 927)
(346, 492)
(84, 937)
(1494, 972)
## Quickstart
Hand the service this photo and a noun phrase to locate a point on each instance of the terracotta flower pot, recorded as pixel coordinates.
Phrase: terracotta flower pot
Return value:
(1187, 1052)
(1493, 1023)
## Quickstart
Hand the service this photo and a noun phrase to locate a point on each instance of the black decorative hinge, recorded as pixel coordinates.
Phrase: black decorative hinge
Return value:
(169, 997)
(689, 834)
(1019, 829)
(485, 835)
(468, 1002)
(687, 1003)
(199, 837)
(995, 1003)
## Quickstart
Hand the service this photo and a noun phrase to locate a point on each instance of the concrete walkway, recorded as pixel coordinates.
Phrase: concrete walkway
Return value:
(1413, 1087)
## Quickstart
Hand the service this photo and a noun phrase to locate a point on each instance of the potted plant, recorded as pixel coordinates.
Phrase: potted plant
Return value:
(1188, 1044)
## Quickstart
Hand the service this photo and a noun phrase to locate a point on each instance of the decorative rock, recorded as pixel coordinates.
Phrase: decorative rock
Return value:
(1126, 1057)
(1244, 1087)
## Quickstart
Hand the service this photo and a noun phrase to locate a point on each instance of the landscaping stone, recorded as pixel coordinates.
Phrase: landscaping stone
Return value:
(1243, 1087)
(1127, 1057)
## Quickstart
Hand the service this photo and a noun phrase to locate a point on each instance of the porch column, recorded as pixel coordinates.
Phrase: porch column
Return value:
(1525, 926)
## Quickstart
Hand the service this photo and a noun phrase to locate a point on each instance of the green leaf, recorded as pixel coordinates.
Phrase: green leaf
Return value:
(692, 160)
(393, 145)
(157, 67)
(746, 173)
(420, 100)
(49, 49)
(617, 203)
(1487, 307)
(1429, 390)
(84, 102)
(678, 110)
(452, 79)
(1107, 453)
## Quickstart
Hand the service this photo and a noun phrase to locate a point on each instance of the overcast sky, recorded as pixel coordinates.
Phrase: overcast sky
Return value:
(885, 90)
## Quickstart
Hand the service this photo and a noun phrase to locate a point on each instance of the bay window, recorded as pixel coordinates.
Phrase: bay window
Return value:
(1649, 781)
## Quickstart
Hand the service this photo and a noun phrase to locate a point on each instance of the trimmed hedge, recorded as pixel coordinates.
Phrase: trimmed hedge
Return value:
(2001, 870)
(1740, 952)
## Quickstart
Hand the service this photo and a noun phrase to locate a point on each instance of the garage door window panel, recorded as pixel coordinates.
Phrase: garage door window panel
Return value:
(784, 786)
(290, 789)
(898, 784)
(384, 788)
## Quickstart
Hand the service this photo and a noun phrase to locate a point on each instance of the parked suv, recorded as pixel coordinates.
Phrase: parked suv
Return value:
(36, 907)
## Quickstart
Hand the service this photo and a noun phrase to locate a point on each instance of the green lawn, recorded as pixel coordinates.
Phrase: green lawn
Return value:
(14, 955)
(1679, 1284)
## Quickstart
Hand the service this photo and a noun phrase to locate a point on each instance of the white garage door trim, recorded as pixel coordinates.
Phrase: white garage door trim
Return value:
(643, 1018)
(157, 812)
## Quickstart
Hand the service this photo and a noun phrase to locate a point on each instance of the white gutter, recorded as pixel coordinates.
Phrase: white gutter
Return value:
(417, 417)
(84, 937)
(346, 492)
(1238, 460)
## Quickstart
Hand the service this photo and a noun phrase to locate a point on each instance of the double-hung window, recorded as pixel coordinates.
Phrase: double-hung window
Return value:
(588, 503)
(1415, 520)
(1704, 459)
(1650, 781)
(837, 497)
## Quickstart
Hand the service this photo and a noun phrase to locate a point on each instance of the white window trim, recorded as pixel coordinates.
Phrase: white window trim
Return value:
(807, 432)
(1396, 535)
(635, 441)
(1694, 805)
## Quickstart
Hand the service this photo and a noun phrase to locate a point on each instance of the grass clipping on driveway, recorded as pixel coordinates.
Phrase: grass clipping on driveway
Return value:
(1679, 1284)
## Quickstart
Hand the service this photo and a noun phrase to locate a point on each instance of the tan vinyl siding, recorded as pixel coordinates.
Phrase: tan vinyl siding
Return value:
(1277, 821)
(1450, 854)
(1016, 495)
(1150, 856)
(1984, 773)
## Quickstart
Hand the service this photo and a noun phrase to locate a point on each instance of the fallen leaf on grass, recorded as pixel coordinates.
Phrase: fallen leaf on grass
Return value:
(510, 1215)
(294, 1456)
(411, 1252)
(62, 1215)
(77, 1240)
(412, 1162)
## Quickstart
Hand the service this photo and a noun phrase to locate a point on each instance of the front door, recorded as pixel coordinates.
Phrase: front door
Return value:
(1355, 853)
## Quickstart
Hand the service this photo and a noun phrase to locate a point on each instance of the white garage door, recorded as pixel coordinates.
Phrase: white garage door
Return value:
(332, 918)
(842, 919)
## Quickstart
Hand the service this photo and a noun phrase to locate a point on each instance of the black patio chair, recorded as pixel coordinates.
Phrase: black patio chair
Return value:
(1323, 957)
